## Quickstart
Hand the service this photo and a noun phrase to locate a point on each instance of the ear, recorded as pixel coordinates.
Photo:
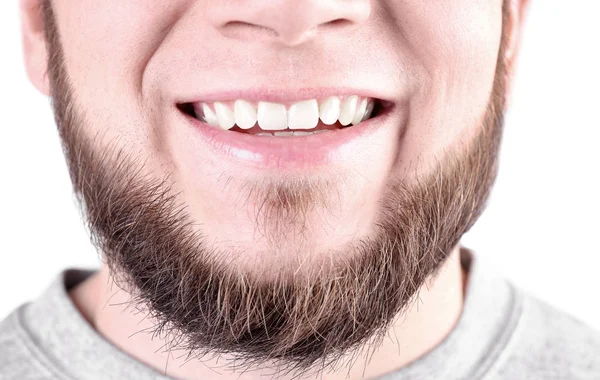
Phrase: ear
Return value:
(34, 44)
(516, 21)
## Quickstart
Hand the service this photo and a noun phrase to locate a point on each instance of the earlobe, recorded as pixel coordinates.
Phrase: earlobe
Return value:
(34, 44)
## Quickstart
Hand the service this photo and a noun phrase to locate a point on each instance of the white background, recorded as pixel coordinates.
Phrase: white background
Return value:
(540, 229)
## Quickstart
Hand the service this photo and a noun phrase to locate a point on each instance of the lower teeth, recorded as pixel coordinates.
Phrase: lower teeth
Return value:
(290, 133)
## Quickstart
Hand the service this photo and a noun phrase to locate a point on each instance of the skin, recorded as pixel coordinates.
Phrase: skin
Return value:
(436, 62)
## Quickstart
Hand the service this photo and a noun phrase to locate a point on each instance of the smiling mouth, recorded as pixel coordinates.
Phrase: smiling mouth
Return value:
(302, 118)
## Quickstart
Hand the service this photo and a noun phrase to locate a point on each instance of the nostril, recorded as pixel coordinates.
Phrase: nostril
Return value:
(287, 22)
(338, 23)
(243, 30)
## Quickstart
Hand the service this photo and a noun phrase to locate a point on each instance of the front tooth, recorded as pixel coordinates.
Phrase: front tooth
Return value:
(244, 114)
(283, 134)
(304, 115)
(209, 115)
(224, 115)
(348, 110)
(360, 112)
(272, 116)
(329, 110)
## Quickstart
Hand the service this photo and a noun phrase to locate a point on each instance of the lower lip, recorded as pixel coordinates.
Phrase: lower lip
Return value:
(289, 152)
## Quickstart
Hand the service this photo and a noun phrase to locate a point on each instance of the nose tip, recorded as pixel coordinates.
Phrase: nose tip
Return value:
(291, 22)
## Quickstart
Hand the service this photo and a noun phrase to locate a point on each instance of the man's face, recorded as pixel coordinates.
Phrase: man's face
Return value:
(131, 64)
(259, 223)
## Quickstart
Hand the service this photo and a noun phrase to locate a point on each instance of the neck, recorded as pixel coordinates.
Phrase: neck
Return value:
(422, 326)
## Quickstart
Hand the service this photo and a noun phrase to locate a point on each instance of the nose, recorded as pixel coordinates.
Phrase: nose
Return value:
(287, 22)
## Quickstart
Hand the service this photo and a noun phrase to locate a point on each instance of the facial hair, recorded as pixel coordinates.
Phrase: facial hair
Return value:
(296, 323)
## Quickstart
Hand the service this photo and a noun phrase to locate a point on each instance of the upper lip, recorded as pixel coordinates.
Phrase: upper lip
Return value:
(278, 95)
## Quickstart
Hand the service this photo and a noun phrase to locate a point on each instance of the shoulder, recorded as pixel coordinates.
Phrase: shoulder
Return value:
(550, 344)
(19, 357)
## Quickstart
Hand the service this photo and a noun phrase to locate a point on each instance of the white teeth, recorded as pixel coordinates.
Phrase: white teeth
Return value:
(348, 110)
(272, 116)
(209, 115)
(302, 133)
(283, 134)
(303, 115)
(329, 110)
(369, 110)
(360, 112)
(224, 115)
(245, 114)
(291, 133)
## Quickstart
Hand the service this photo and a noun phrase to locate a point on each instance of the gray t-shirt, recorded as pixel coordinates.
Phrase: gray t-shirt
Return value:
(502, 334)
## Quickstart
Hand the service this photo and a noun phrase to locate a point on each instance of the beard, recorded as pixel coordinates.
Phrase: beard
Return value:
(296, 322)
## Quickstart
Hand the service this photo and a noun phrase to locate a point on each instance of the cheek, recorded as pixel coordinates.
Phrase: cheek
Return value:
(456, 49)
(106, 46)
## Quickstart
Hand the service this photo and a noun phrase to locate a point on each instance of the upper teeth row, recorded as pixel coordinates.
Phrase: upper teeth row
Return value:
(275, 116)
